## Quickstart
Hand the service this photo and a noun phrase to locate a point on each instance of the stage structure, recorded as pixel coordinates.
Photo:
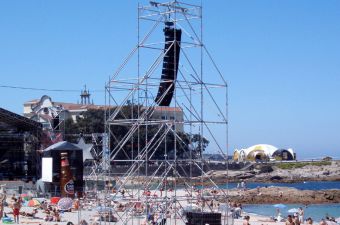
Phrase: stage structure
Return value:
(169, 70)
(19, 144)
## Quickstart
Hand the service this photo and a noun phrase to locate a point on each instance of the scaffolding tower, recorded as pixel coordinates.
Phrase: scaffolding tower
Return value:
(165, 104)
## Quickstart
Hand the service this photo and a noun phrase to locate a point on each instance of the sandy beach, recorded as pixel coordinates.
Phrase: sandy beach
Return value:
(88, 211)
(90, 217)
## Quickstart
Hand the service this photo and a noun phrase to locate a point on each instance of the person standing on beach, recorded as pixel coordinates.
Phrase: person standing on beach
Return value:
(296, 220)
(277, 212)
(301, 214)
(2, 203)
(1, 208)
(16, 210)
(243, 185)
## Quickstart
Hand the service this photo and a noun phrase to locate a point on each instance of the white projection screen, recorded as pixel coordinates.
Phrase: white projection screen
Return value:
(46, 173)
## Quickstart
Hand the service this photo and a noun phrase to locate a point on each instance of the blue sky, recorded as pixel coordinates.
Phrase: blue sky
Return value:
(281, 60)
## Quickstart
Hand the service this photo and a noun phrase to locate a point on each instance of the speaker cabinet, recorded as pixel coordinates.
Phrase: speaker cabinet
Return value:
(170, 66)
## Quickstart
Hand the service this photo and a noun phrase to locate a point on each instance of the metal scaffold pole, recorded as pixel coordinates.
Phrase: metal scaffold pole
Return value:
(164, 107)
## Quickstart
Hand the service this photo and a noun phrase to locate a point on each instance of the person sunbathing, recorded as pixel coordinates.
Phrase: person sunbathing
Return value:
(32, 214)
(56, 215)
(83, 222)
(48, 218)
(120, 207)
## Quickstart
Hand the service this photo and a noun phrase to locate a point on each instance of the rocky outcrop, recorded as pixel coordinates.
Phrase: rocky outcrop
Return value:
(271, 173)
(274, 195)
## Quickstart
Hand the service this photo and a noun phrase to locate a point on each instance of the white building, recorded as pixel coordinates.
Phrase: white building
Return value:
(51, 113)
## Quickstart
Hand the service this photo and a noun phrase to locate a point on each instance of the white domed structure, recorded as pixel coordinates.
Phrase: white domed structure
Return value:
(263, 152)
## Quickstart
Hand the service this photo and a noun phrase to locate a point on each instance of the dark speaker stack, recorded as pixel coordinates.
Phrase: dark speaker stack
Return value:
(56, 123)
(170, 66)
(202, 218)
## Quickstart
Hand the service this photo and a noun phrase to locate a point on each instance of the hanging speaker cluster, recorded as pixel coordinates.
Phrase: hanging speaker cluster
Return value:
(170, 66)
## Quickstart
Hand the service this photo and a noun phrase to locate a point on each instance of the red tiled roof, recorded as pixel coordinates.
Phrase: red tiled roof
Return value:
(73, 106)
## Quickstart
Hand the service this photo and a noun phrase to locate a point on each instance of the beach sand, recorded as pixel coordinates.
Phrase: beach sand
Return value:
(90, 214)
(76, 216)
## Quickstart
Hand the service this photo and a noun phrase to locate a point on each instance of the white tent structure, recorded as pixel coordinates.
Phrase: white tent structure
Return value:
(263, 152)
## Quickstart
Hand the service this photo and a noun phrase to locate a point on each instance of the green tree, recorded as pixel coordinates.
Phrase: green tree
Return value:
(198, 143)
(93, 121)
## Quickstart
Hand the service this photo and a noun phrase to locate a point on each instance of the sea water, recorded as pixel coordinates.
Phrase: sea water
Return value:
(316, 211)
(307, 185)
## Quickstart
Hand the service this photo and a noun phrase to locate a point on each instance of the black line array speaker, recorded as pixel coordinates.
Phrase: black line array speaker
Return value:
(202, 218)
(170, 66)
(56, 123)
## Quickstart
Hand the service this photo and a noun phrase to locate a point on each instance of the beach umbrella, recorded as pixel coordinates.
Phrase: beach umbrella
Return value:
(223, 207)
(281, 206)
(65, 204)
(117, 198)
(33, 203)
(54, 200)
(191, 208)
(40, 199)
(25, 196)
(207, 193)
(293, 210)
(103, 209)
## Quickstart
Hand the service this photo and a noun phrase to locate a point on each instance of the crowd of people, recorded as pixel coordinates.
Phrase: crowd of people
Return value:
(299, 218)
(157, 213)
(15, 204)
(236, 209)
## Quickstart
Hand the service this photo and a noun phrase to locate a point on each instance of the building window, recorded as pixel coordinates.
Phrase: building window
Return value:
(172, 118)
(163, 117)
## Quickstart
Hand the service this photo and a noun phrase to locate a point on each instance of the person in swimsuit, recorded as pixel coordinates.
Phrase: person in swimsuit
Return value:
(2, 203)
(301, 215)
(296, 220)
(16, 210)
